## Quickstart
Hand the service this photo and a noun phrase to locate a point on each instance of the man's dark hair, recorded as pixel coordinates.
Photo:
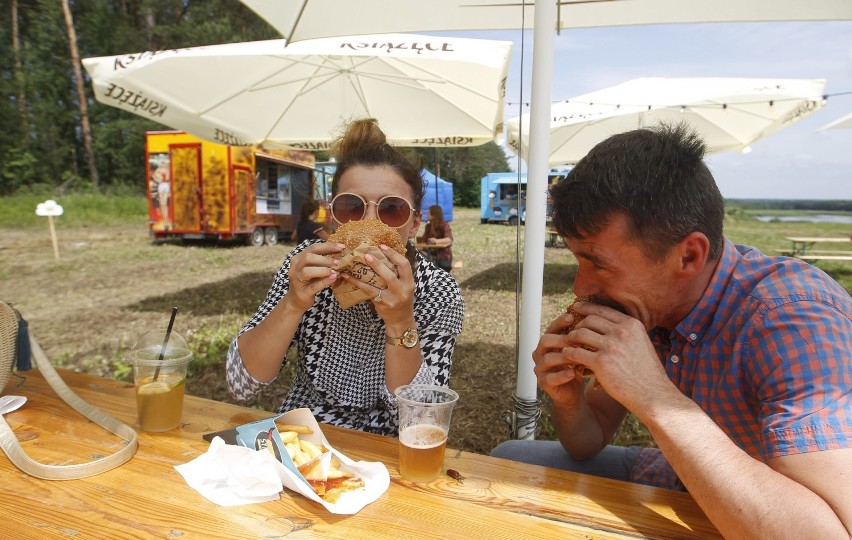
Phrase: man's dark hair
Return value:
(655, 176)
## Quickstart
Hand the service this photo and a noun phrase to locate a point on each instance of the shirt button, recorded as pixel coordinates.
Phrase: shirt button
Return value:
(675, 359)
(693, 337)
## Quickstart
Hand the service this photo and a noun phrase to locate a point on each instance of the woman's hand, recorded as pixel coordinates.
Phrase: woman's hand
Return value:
(312, 270)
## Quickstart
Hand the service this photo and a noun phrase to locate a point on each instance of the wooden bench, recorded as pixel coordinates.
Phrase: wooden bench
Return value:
(817, 257)
(828, 252)
(814, 252)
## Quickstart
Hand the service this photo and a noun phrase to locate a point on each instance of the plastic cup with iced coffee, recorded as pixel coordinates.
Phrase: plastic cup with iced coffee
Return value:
(159, 375)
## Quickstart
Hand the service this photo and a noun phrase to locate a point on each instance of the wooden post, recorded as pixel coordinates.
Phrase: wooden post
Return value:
(53, 238)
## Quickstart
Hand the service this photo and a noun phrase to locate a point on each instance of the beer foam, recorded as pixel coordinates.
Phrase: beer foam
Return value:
(422, 436)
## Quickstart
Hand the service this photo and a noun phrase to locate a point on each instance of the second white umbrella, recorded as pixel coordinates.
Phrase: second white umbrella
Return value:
(729, 113)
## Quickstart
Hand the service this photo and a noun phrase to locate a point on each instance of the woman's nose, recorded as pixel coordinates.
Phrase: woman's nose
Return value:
(372, 210)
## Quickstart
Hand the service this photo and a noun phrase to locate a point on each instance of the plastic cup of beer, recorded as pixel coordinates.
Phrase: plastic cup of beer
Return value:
(160, 383)
(424, 422)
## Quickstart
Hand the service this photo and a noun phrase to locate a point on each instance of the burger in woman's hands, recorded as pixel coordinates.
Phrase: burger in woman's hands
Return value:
(361, 237)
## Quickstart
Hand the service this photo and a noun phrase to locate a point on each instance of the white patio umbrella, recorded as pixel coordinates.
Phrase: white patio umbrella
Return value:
(840, 123)
(308, 19)
(305, 19)
(425, 91)
(729, 113)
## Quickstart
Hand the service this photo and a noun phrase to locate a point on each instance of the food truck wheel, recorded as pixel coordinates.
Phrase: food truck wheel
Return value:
(270, 236)
(256, 237)
(513, 220)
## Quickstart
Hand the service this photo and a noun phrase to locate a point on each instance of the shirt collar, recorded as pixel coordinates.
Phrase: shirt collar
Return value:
(693, 327)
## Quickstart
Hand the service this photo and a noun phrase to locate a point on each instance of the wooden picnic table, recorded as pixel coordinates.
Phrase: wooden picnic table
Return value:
(147, 498)
(802, 247)
(440, 243)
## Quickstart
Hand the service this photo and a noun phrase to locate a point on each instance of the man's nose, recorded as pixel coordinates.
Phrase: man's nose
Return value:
(583, 286)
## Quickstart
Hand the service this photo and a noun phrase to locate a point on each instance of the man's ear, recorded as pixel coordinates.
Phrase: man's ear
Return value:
(693, 252)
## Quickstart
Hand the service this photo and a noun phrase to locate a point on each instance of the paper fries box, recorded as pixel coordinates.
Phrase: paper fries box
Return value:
(264, 435)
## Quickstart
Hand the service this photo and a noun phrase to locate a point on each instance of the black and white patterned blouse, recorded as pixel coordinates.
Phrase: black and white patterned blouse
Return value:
(341, 371)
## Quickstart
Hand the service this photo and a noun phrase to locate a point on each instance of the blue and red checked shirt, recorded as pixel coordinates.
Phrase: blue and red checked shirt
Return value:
(767, 353)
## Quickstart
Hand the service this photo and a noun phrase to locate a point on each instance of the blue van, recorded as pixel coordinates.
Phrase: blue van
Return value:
(503, 199)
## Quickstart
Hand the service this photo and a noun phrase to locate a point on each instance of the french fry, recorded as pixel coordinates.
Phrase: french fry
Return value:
(289, 436)
(292, 449)
(309, 448)
(300, 457)
(298, 428)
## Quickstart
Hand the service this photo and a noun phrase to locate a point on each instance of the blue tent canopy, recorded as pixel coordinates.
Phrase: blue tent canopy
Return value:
(437, 191)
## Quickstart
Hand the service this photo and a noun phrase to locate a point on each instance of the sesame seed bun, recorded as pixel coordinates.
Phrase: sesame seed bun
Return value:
(370, 230)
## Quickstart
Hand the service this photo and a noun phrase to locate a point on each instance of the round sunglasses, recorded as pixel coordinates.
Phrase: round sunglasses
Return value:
(392, 210)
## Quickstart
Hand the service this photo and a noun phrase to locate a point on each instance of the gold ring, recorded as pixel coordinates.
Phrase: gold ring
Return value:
(299, 277)
(378, 298)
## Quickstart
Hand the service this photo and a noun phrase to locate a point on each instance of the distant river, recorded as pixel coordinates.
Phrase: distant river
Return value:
(815, 218)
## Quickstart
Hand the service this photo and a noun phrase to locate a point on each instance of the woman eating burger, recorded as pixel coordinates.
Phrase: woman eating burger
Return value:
(357, 341)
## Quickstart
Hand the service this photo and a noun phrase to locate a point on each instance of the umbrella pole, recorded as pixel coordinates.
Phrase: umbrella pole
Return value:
(437, 175)
(533, 270)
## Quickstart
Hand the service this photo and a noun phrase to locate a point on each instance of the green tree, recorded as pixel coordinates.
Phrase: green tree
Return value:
(47, 146)
(464, 168)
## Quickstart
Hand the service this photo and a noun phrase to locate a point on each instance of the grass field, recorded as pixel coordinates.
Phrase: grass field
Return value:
(112, 283)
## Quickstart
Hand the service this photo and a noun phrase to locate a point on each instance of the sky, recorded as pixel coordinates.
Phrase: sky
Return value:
(795, 163)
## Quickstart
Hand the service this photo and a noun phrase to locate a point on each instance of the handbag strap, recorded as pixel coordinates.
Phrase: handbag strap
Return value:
(9, 442)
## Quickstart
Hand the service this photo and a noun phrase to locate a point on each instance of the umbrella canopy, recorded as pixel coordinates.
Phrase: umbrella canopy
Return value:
(308, 19)
(729, 113)
(425, 91)
(844, 122)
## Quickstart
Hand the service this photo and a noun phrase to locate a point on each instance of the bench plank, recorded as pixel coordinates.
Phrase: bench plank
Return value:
(810, 257)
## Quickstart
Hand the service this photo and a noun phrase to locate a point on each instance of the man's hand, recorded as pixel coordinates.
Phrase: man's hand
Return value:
(617, 348)
(555, 376)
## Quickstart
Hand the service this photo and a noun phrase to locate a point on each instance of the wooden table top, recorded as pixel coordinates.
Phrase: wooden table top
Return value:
(439, 244)
(815, 239)
(147, 498)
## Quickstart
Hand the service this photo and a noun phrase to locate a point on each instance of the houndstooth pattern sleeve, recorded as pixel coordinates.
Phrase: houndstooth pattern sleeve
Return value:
(241, 385)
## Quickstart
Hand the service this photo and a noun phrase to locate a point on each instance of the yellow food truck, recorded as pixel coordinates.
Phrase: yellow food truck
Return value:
(203, 190)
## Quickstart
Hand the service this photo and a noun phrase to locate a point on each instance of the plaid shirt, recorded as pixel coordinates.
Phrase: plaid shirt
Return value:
(767, 353)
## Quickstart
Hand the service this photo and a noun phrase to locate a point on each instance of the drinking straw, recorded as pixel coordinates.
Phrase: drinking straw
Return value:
(165, 342)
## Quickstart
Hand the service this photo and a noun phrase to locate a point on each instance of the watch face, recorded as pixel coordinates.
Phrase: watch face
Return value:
(409, 338)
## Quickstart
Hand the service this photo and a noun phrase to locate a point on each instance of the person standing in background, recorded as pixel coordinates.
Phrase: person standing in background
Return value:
(436, 230)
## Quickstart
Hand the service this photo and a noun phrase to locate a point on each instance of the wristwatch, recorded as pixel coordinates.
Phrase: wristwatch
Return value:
(408, 339)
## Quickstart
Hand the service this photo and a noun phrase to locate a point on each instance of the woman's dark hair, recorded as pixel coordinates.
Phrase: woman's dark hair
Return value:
(655, 176)
(436, 221)
(307, 209)
(365, 144)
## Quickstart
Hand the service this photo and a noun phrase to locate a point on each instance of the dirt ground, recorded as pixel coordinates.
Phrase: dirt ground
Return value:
(111, 285)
